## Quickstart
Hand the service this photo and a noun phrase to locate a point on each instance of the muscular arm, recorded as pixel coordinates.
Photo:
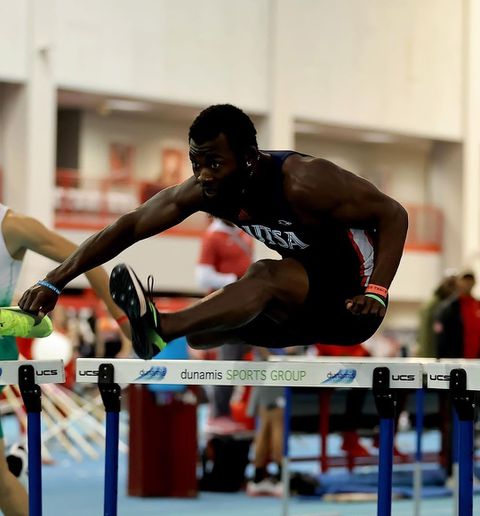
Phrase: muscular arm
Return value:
(164, 210)
(321, 190)
(22, 233)
(167, 208)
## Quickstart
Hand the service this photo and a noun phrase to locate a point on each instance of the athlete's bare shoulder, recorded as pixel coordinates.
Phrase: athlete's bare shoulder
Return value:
(188, 195)
(308, 179)
(317, 189)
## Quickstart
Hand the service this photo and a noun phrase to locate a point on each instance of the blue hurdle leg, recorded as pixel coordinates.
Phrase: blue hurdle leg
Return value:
(111, 464)
(465, 468)
(454, 444)
(385, 467)
(386, 404)
(111, 396)
(417, 479)
(32, 398)
(34, 464)
(464, 403)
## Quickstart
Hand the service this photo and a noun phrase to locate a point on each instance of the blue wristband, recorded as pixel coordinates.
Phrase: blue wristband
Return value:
(47, 284)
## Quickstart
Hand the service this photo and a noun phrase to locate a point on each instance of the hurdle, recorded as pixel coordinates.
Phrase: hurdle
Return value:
(28, 374)
(419, 402)
(462, 378)
(383, 378)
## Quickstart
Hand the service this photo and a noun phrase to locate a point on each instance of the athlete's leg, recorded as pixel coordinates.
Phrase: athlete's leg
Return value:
(277, 287)
(274, 288)
(13, 496)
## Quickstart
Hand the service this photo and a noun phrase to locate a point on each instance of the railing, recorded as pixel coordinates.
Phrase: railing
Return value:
(425, 231)
(92, 203)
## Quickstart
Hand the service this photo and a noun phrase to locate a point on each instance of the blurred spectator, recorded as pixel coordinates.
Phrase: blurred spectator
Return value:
(457, 330)
(268, 403)
(427, 338)
(226, 253)
(378, 346)
(457, 323)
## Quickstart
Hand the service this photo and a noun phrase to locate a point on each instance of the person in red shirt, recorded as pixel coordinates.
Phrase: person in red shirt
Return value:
(457, 331)
(470, 315)
(355, 399)
(457, 325)
(226, 253)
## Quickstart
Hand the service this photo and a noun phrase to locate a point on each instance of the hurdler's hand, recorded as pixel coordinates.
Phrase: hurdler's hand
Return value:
(38, 300)
(364, 305)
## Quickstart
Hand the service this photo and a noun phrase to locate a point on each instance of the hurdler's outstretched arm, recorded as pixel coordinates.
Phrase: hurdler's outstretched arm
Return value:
(164, 210)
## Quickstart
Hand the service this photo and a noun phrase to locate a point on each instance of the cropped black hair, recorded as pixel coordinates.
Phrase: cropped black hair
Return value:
(229, 120)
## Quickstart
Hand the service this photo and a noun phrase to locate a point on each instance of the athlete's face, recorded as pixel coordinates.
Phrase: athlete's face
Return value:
(216, 168)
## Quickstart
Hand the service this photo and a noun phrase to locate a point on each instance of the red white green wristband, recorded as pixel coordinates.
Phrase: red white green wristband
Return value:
(377, 289)
(377, 298)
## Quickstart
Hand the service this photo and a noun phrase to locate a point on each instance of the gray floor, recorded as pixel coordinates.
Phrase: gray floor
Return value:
(74, 489)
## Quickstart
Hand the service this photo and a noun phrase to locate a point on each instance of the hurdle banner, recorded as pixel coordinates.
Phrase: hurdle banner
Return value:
(46, 371)
(461, 378)
(222, 372)
(438, 374)
(28, 374)
(382, 378)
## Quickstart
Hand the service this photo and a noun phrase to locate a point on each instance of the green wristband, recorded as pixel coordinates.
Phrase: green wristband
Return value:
(377, 298)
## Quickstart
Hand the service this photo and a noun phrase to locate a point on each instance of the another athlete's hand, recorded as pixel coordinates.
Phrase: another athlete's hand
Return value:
(363, 305)
(38, 300)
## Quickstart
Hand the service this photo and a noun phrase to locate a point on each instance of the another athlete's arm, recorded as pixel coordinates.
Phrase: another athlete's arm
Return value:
(320, 190)
(164, 210)
(22, 233)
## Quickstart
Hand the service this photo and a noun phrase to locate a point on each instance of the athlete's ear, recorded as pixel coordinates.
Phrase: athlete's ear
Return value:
(251, 156)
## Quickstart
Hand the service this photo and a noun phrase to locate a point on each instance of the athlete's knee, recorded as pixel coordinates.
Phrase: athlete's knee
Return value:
(284, 280)
(263, 273)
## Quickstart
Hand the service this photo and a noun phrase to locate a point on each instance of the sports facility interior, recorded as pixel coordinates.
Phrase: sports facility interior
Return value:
(96, 101)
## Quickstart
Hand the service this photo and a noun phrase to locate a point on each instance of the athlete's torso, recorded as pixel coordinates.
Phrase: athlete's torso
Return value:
(9, 267)
(268, 217)
(9, 272)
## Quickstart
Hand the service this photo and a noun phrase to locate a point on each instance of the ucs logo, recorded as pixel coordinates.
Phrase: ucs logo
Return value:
(88, 372)
(439, 377)
(341, 376)
(403, 377)
(154, 373)
(47, 372)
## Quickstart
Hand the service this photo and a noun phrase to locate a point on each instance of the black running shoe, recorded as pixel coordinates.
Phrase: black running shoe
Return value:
(129, 295)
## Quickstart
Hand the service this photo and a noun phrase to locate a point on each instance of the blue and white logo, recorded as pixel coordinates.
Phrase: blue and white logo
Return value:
(341, 376)
(1, 371)
(154, 373)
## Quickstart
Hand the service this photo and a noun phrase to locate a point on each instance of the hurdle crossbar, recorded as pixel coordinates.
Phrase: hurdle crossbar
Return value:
(28, 374)
(46, 371)
(224, 372)
(461, 377)
(383, 378)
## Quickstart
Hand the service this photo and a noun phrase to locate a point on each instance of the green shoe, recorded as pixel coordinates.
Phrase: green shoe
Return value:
(14, 322)
(128, 293)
